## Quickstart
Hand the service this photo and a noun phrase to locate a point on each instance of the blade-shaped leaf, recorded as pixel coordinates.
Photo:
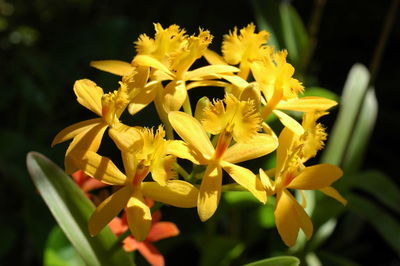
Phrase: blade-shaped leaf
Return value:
(384, 223)
(276, 261)
(352, 98)
(267, 18)
(362, 132)
(379, 185)
(221, 251)
(72, 210)
(59, 251)
(320, 92)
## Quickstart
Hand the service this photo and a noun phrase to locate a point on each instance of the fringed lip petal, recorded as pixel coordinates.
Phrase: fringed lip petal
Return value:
(176, 193)
(191, 131)
(307, 104)
(289, 122)
(108, 209)
(138, 216)
(89, 95)
(99, 167)
(210, 192)
(209, 70)
(316, 177)
(290, 217)
(246, 179)
(260, 145)
(116, 67)
(73, 130)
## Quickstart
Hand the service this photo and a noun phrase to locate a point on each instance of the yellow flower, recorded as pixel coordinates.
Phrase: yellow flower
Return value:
(172, 97)
(87, 135)
(290, 173)
(244, 48)
(154, 155)
(131, 195)
(239, 118)
(198, 149)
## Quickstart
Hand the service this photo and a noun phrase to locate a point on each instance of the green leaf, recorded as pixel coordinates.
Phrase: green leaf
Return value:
(384, 223)
(59, 251)
(221, 251)
(320, 92)
(351, 101)
(72, 210)
(294, 33)
(362, 133)
(267, 18)
(276, 261)
(380, 186)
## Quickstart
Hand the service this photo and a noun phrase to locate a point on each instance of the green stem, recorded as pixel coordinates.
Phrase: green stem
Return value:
(182, 172)
(186, 106)
(387, 28)
(232, 186)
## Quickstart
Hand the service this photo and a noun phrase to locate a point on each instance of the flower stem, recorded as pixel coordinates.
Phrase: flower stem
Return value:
(182, 172)
(186, 106)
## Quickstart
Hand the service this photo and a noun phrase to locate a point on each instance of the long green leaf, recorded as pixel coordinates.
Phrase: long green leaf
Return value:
(362, 133)
(384, 223)
(352, 98)
(72, 209)
(267, 17)
(59, 251)
(380, 186)
(276, 261)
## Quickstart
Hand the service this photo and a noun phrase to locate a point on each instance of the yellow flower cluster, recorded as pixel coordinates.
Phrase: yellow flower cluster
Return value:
(257, 81)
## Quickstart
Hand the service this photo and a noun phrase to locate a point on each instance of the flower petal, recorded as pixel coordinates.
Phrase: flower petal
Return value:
(285, 143)
(208, 70)
(307, 104)
(290, 217)
(191, 131)
(177, 193)
(151, 254)
(89, 95)
(289, 122)
(73, 130)
(260, 145)
(183, 150)
(246, 179)
(139, 216)
(210, 192)
(162, 230)
(99, 167)
(174, 95)
(206, 83)
(116, 67)
(85, 141)
(331, 192)
(316, 177)
(144, 98)
(108, 209)
(126, 138)
(213, 58)
(146, 60)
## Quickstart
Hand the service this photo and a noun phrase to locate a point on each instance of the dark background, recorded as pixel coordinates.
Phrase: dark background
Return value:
(45, 45)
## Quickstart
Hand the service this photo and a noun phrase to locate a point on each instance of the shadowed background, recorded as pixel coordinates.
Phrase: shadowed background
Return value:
(46, 45)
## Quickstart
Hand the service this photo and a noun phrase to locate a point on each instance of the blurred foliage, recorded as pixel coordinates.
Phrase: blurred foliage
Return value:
(46, 45)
